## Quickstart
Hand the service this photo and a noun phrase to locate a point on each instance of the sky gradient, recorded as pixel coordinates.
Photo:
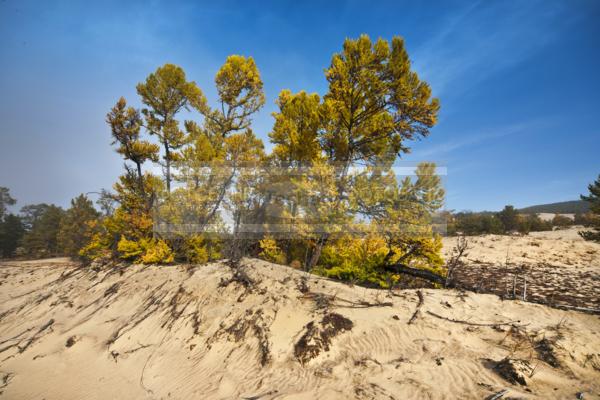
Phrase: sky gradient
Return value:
(517, 80)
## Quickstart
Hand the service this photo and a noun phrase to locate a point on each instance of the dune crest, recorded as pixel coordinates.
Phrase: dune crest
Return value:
(272, 332)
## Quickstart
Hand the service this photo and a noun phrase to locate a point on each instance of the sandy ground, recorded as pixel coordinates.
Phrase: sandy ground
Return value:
(558, 267)
(203, 332)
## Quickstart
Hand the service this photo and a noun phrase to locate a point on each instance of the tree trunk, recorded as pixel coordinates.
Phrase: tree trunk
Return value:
(140, 178)
(168, 167)
(316, 254)
(419, 273)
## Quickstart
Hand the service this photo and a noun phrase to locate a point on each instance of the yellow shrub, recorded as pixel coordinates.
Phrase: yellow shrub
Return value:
(195, 250)
(360, 259)
(98, 247)
(158, 252)
(271, 252)
(130, 249)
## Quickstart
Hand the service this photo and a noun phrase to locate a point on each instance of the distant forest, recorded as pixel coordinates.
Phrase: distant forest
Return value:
(563, 207)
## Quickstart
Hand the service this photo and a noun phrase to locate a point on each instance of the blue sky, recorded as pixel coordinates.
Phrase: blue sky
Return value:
(518, 83)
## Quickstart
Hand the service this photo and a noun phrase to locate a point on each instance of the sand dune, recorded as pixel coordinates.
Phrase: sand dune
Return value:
(562, 248)
(561, 269)
(202, 332)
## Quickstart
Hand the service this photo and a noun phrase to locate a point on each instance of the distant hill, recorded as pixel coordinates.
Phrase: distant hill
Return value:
(564, 207)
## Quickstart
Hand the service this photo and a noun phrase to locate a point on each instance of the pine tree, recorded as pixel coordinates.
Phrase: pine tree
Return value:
(165, 93)
(5, 201)
(77, 226)
(594, 199)
(374, 104)
(31, 213)
(125, 123)
(42, 239)
(11, 232)
(509, 218)
(224, 145)
(241, 95)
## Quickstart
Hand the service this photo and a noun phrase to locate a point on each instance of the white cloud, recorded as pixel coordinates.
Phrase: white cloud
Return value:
(484, 39)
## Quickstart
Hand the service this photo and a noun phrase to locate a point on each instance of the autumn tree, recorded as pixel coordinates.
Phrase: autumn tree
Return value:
(594, 199)
(125, 123)
(374, 104)
(222, 147)
(165, 93)
(295, 136)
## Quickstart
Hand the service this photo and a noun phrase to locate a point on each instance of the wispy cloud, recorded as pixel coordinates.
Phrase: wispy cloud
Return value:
(486, 38)
(477, 137)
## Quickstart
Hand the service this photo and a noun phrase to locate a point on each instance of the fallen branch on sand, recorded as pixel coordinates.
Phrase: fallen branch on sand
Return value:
(421, 300)
(418, 273)
(497, 395)
(458, 321)
(258, 396)
(331, 299)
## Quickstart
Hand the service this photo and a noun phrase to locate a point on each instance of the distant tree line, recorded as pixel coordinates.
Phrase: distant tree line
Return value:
(45, 230)
(510, 220)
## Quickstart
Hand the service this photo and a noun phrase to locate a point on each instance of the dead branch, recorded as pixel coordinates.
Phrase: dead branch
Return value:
(330, 299)
(455, 261)
(399, 268)
(258, 396)
(497, 395)
(458, 321)
(421, 301)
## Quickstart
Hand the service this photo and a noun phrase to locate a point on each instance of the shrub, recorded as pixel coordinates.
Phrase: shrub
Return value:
(195, 251)
(271, 252)
(98, 247)
(561, 221)
(130, 249)
(157, 252)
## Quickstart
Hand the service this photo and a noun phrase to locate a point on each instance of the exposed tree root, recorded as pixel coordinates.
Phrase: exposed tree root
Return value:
(318, 337)
(238, 275)
(512, 370)
(37, 335)
(173, 313)
(254, 322)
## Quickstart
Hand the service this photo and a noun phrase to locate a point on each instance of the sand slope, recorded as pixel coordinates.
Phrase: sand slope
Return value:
(135, 332)
(560, 267)
(562, 248)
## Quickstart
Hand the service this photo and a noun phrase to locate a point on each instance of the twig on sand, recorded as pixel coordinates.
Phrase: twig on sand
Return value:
(421, 300)
(458, 321)
(497, 395)
(258, 396)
